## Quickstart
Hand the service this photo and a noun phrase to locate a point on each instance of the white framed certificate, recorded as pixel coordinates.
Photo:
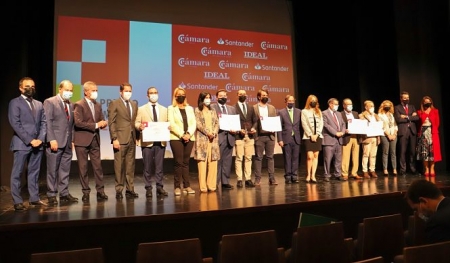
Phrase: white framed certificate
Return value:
(229, 122)
(375, 128)
(357, 126)
(156, 132)
(271, 124)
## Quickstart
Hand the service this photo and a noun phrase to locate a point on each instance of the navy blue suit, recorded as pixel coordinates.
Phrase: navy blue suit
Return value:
(291, 138)
(438, 226)
(26, 128)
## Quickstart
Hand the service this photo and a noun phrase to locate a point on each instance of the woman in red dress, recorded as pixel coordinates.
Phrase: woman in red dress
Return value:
(428, 145)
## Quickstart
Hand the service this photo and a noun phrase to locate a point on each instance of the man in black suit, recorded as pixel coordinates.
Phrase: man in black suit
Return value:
(89, 120)
(427, 199)
(406, 117)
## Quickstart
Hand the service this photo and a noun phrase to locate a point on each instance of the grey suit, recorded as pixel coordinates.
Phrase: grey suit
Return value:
(331, 144)
(291, 138)
(59, 129)
(226, 144)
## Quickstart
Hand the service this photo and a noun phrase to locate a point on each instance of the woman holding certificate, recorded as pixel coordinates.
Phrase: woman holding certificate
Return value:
(312, 123)
(369, 143)
(206, 149)
(389, 141)
(182, 127)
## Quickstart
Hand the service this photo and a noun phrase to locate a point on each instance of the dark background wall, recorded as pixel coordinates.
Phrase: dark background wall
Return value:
(370, 49)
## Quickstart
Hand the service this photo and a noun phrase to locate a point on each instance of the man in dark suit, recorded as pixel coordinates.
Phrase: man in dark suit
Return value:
(406, 117)
(59, 114)
(226, 141)
(427, 199)
(350, 144)
(245, 142)
(333, 130)
(121, 120)
(89, 120)
(289, 139)
(265, 140)
(27, 119)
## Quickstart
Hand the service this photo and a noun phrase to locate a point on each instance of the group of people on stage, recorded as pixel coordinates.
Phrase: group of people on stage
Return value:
(58, 125)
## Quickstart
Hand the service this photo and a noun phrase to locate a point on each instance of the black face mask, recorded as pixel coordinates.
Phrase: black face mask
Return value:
(386, 108)
(242, 98)
(264, 100)
(313, 104)
(180, 99)
(405, 102)
(427, 105)
(290, 105)
(222, 100)
(29, 92)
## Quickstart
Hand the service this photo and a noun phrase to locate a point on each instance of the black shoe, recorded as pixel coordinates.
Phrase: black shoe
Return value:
(227, 186)
(249, 184)
(403, 173)
(287, 181)
(119, 196)
(38, 203)
(240, 184)
(131, 194)
(68, 198)
(19, 207)
(161, 191)
(326, 179)
(102, 196)
(295, 181)
(52, 201)
(273, 182)
(85, 198)
(148, 193)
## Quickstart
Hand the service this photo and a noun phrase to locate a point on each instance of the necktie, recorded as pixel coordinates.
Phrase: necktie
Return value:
(245, 110)
(91, 105)
(224, 111)
(66, 109)
(128, 108)
(155, 117)
(406, 109)
(336, 120)
(291, 115)
(33, 110)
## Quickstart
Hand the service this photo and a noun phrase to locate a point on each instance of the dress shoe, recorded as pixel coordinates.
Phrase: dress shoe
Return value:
(373, 174)
(354, 176)
(227, 186)
(249, 184)
(287, 181)
(102, 196)
(52, 200)
(273, 182)
(148, 193)
(257, 182)
(343, 178)
(402, 173)
(85, 198)
(239, 184)
(38, 203)
(68, 198)
(161, 191)
(326, 179)
(19, 207)
(385, 173)
(131, 194)
(366, 175)
(119, 196)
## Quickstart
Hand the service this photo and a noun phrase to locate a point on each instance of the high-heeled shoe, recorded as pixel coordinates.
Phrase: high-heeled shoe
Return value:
(426, 174)
(307, 179)
(432, 175)
(385, 173)
(394, 172)
(313, 180)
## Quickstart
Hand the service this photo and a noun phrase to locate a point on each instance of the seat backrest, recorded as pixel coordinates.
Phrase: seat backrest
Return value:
(186, 251)
(320, 243)
(415, 235)
(258, 247)
(436, 253)
(382, 236)
(93, 255)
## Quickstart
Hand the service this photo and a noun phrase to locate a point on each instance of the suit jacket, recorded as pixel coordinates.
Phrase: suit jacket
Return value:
(201, 137)
(438, 226)
(26, 126)
(308, 116)
(346, 137)
(272, 112)
(330, 129)
(403, 123)
(85, 130)
(58, 127)
(247, 122)
(225, 136)
(288, 126)
(145, 114)
(176, 122)
(121, 124)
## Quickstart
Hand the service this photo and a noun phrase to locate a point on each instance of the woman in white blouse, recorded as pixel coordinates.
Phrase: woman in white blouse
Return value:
(389, 141)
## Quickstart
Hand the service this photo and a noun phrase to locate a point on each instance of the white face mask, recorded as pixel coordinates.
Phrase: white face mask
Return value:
(153, 98)
(126, 95)
(349, 107)
(371, 110)
(335, 107)
(207, 102)
(94, 95)
(67, 95)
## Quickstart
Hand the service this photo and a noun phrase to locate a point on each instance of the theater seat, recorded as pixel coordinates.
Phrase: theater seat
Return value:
(435, 253)
(93, 255)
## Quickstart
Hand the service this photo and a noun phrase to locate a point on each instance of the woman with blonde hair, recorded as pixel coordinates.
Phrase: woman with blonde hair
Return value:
(389, 140)
(370, 144)
(312, 123)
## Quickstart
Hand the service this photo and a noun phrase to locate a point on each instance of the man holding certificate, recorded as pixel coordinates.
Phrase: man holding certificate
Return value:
(152, 152)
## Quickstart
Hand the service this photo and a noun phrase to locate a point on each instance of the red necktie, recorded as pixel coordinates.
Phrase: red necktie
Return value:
(406, 109)
(66, 109)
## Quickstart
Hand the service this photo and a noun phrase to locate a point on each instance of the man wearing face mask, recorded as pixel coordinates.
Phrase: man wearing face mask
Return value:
(27, 118)
(245, 143)
(265, 140)
(289, 139)
(226, 141)
(427, 199)
(333, 131)
(152, 152)
(406, 117)
(59, 114)
(350, 144)
(121, 121)
(89, 120)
